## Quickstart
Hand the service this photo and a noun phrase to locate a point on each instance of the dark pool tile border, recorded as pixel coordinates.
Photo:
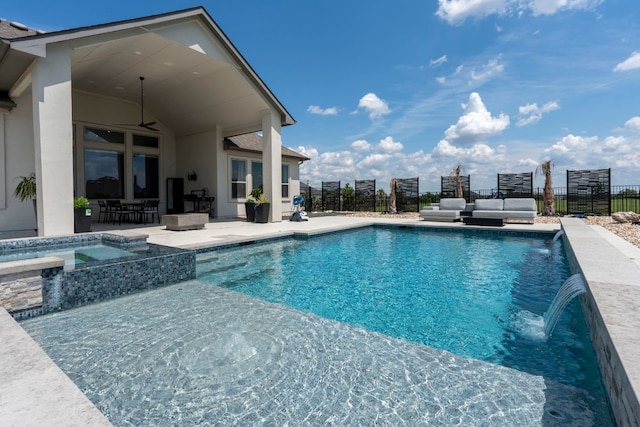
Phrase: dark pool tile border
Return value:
(34, 243)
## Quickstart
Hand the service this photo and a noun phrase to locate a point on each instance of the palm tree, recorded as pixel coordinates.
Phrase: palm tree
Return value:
(456, 172)
(547, 194)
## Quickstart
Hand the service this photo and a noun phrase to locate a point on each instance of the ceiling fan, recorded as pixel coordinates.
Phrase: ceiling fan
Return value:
(142, 124)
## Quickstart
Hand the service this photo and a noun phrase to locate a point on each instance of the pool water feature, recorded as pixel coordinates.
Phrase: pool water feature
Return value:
(464, 293)
(72, 256)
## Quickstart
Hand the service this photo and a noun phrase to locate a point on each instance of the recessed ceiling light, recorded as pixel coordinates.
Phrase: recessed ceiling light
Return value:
(137, 52)
(119, 88)
(168, 64)
(196, 72)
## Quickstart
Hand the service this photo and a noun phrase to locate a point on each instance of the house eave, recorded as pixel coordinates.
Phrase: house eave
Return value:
(36, 45)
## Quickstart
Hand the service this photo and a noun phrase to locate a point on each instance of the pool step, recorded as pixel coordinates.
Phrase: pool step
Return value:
(207, 268)
(230, 283)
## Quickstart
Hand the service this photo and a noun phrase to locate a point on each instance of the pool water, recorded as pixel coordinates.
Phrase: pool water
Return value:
(73, 255)
(479, 296)
(403, 350)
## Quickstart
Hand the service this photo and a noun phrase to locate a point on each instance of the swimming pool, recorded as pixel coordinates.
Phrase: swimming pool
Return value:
(192, 353)
(476, 295)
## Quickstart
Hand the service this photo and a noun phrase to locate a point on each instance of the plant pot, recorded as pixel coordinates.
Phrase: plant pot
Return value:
(82, 220)
(250, 209)
(262, 213)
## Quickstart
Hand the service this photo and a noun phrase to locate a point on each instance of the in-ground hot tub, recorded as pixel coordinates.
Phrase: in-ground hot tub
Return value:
(89, 268)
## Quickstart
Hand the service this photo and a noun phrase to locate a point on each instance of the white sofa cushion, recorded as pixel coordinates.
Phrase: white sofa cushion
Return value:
(520, 204)
(440, 215)
(453, 204)
(489, 205)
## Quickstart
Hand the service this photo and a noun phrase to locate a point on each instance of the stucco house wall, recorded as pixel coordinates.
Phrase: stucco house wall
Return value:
(17, 161)
(200, 91)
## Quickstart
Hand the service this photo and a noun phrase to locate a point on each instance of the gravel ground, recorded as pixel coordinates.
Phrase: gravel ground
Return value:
(627, 231)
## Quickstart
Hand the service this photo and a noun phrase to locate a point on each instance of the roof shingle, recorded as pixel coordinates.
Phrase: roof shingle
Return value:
(253, 142)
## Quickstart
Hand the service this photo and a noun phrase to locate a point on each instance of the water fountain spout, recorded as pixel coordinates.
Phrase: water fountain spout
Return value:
(571, 288)
(558, 235)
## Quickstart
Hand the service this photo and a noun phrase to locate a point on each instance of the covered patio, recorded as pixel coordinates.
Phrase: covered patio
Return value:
(113, 110)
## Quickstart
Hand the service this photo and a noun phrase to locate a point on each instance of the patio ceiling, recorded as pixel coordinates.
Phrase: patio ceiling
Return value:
(185, 90)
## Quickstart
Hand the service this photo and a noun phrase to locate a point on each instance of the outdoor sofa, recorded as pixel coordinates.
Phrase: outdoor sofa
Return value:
(509, 209)
(447, 211)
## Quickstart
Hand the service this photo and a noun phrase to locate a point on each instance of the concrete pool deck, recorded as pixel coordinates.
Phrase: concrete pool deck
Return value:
(608, 263)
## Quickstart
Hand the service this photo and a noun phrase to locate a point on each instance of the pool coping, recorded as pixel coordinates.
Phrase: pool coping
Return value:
(611, 305)
(607, 262)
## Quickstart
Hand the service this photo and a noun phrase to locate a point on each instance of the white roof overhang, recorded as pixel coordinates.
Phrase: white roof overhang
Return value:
(195, 79)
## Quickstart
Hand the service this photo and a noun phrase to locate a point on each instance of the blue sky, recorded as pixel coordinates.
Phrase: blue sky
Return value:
(385, 89)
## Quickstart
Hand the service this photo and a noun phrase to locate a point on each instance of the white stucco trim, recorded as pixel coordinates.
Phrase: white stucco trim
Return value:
(53, 141)
(3, 167)
(272, 163)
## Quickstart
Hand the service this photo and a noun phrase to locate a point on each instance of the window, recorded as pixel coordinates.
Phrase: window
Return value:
(256, 175)
(118, 164)
(103, 135)
(145, 141)
(104, 174)
(145, 176)
(238, 179)
(285, 181)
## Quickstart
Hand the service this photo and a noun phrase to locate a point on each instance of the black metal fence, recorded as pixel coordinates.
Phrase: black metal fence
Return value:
(515, 184)
(589, 191)
(448, 186)
(365, 195)
(622, 198)
(407, 195)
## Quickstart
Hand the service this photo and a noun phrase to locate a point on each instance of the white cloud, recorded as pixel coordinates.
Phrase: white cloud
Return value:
(374, 161)
(549, 7)
(375, 106)
(532, 163)
(531, 113)
(488, 70)
(388, 145)
(476, 154)
(631, 63)
(314, 109)
(441, 80)
(438, 62)
(572, 143)
(633, 123)
(457, 11)
(361, 145)
(476, 123)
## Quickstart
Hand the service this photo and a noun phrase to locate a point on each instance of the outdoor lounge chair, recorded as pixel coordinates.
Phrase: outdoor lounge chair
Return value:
(509, 209)
(448, 210)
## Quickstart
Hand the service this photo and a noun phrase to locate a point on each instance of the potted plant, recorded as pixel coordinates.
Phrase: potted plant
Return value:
(82, 215)
(262, 209)
(250, 204)
(26, 190)
(250, 209)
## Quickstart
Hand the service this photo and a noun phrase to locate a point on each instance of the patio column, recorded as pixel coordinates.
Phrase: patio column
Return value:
(272, 163)
(53, 141)
(3, 159)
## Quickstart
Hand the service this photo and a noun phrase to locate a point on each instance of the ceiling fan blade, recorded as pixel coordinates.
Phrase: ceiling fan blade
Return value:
(147, 126)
